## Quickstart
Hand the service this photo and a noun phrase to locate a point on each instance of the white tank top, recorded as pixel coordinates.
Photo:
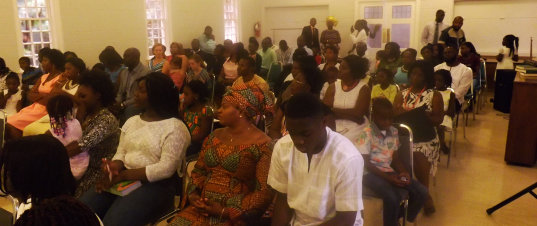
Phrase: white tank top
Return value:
(446, 94)
(347, 100)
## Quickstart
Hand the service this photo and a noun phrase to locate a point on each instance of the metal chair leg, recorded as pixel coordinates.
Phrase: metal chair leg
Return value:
(406, 212)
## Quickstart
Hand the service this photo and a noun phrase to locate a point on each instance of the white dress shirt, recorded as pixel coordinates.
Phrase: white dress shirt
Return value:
(462, 77)
(332, 183)
(427, 36)
(158, 146)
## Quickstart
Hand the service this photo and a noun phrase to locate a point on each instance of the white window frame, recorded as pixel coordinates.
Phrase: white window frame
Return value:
(160, 27)
(231, 20)
(34, 46)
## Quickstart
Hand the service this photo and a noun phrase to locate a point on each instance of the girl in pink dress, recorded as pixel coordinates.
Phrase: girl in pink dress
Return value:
(66, 128)
(52, 62)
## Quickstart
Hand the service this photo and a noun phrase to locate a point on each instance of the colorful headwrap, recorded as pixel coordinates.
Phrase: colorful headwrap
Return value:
(333, 19)
(250, 100)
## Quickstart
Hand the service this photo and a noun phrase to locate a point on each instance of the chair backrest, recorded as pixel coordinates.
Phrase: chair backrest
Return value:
(405, 152)
(190, 163)
(483, 73)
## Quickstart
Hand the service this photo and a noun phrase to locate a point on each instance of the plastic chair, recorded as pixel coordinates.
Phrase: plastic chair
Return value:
(407, 158)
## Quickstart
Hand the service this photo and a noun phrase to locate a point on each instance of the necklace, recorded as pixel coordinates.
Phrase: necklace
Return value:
(403, 69)
(231, 134)
(405, 104)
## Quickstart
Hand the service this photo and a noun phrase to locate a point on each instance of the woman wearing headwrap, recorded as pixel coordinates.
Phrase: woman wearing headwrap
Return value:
(330, 36)
(229, 180)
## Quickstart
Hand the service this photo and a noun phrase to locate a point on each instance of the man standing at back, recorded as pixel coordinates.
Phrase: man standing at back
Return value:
(311, 35)
(316, 172)
(431, 32)
(127, 84)
(454, 35)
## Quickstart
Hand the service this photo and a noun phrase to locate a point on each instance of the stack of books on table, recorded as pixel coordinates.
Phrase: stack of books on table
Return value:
(527, 71)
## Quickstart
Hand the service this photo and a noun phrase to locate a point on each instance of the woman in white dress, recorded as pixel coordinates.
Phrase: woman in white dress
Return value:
(360, 32)
(349, 97)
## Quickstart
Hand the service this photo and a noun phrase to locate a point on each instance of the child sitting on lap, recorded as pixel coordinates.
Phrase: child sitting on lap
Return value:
(379, 143)
(66, 128)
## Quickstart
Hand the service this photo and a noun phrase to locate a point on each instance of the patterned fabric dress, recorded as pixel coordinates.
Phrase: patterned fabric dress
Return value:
(192, 119)
(235, 176)
(430, 148)
(157, 67)
(100, 137)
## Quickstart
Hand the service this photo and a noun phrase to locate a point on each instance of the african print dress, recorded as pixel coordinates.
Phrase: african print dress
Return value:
(429, 148)
(235, 176)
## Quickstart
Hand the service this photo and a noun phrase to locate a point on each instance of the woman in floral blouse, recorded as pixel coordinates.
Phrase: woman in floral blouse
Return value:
(100, 135)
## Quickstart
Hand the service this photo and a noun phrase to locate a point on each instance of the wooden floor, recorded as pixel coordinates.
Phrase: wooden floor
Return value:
(477, 179)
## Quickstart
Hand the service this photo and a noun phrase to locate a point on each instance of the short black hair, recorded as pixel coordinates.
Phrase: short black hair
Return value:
(299, 53)
(36, 167)
(426, 47)
(59, 211)
(70, 54)
(304, 105)
(13, 75)
(250, 61)
(332, 69)
(333, 48)
(56, 57)
(427, 69)
(386, 71)
(109, 56)
(358, 65)
(42, 52)
(60, 106)
(25, 59)
(78, 63)
(395, 49)
(99, 82)
(162, 94)
(446, 75)
(411, 51)
(381, 104)
(198, 87)
(98, 66)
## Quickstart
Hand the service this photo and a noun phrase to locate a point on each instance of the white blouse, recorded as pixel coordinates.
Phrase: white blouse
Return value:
(158, 146)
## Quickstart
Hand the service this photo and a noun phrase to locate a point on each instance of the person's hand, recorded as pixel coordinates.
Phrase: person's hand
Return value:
(352, 28)
(405, 175)
(111, 175)
(395, 180)
(377, 27)
(210, 208)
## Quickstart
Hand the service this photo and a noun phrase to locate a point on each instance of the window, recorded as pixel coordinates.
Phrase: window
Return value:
(230, 20)
(35, 27)
(156, 19)
(401, 11)
(373, 12)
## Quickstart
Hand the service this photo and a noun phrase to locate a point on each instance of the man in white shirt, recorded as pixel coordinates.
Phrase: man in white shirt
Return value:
(316, 172)
(461, 75)
(431, 33)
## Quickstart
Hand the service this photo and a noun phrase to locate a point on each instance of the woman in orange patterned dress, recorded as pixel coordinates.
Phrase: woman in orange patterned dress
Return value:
(52, 63)
(229, 181)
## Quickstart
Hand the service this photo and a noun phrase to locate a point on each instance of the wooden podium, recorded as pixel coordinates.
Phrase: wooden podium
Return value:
(521, 148)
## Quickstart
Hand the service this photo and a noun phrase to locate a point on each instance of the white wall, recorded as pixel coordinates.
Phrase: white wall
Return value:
(9, 37)
(89, 26)
(189, 18)
(487, 22)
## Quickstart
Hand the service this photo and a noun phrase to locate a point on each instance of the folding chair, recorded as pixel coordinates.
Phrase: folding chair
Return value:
(406, 155)
(465, 105)
(483, 90)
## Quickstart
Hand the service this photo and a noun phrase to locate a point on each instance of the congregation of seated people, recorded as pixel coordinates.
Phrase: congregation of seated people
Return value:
(296, 147)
